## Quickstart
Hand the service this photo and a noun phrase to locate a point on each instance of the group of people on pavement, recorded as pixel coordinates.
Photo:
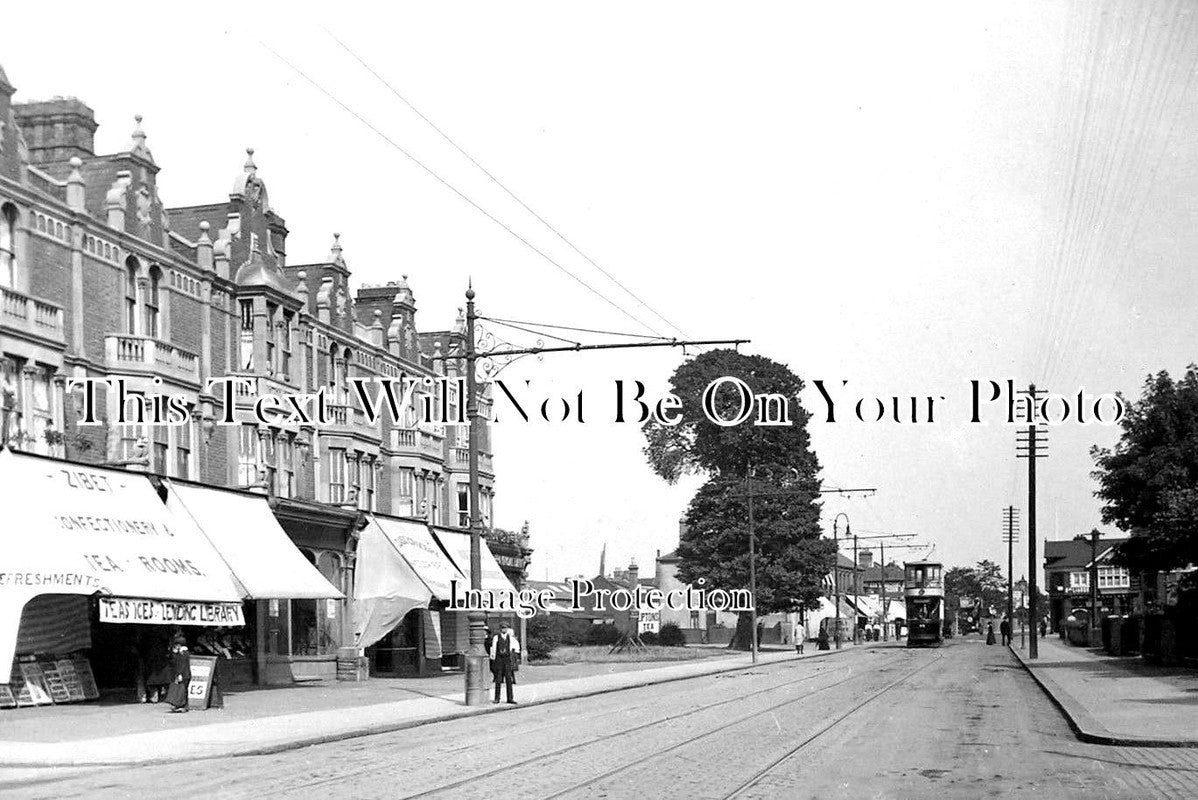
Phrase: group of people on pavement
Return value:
(1005, 631)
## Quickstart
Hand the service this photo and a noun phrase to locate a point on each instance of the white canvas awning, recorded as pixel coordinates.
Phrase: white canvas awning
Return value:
(75, 529)
(415, 543)
(257, 550)
(458, 547)
(386, 587)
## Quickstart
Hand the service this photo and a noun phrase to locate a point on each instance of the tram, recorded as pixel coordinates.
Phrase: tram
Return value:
(923, 591)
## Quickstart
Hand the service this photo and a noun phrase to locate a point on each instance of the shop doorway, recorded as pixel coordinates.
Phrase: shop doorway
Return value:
(398, 653)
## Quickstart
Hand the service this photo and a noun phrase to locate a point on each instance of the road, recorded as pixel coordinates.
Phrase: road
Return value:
(960, 721)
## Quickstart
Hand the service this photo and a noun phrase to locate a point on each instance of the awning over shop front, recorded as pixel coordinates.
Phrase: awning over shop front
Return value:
(253, 545)
(76, 529)
(416, 544)
(458, 547)
(386, 587)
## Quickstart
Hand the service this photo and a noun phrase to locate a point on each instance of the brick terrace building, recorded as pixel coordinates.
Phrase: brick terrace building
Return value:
(99, 278)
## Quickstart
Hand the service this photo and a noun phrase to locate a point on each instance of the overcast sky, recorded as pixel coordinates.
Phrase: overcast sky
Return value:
(904, 196)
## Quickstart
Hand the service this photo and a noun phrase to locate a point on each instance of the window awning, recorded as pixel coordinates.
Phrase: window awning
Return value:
(257, 550)
(75, 529)
(416, 544)
(458, 547)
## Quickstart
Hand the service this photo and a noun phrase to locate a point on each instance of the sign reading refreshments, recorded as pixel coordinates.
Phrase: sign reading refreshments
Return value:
(169, 612)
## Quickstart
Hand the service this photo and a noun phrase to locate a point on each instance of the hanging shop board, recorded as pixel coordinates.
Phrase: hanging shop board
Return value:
(200, 689)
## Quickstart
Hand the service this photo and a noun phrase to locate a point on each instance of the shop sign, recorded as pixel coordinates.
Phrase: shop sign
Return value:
(202, 668)
(169, 612)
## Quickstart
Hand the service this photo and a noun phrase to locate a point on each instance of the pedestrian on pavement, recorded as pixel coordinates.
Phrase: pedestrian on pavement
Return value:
(990, 632)
(760, 631)
(176, 693)
(1043, 628)
(505, 656)
(1004, 628)
(798, 634)
(822, 641)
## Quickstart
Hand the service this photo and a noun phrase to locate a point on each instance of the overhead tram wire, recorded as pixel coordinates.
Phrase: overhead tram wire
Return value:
(1056, 223)
(1121, 183)
(499, 183)
(1122, 261)
(1120, 165)
(456, 191)
(571, 328)
(1175, 68)
(1075, 137)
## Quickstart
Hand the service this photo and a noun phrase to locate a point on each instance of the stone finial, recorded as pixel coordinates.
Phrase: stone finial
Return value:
(459, 325)
(204, 259)
(139, 141)
(376, 329)
(250, 166)
(75, 185)
(335, 256)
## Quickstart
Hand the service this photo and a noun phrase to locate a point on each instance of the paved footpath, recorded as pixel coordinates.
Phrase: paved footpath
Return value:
(273, 720)
(1118, 700)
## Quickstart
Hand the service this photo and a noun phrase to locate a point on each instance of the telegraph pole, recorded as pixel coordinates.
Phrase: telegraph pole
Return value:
(856, 593)
(1029, 445)
(1010, 535)
(752, 565)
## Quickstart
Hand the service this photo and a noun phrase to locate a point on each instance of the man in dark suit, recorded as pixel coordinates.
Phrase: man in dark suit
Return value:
(505, 655)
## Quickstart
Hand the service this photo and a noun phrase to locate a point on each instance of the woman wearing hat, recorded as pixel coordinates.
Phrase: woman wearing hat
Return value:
(176, 694)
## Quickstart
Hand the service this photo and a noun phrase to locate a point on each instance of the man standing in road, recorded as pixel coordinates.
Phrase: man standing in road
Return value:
(505, 653)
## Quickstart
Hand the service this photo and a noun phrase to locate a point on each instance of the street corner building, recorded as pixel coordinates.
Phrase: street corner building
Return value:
(283, 551)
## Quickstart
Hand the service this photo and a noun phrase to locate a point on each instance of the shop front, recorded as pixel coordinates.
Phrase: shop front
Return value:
(97, 568)
(404, 581)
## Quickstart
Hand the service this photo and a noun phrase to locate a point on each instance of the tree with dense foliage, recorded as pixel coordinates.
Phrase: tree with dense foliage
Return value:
(1149, 481)
(984, 585)
(775, 463)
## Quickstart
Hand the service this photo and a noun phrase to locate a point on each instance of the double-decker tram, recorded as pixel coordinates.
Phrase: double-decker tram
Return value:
(923, 591)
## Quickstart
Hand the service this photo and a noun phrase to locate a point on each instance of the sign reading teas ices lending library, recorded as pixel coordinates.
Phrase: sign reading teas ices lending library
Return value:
(76, 529)
(169, 612)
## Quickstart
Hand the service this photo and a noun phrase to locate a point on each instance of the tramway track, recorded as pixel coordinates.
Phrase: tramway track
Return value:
(820, 669)
(732, 723)
(757, 777)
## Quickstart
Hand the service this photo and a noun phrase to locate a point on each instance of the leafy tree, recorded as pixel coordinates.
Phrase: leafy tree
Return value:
(775, 463)
(1149, 480)
(983, 584)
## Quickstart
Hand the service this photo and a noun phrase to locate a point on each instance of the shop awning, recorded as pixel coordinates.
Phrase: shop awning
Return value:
(416, 544)
(257, 550)
(386, 587)
(458, 547)
(74, 529)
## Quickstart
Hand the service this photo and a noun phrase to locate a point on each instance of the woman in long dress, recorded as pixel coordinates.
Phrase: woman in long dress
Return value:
(176, 693)
(990, 633)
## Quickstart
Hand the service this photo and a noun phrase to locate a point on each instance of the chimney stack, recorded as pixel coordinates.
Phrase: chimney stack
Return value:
(865, 559)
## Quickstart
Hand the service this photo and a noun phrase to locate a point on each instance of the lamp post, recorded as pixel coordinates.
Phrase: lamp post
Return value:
(476, 656)
(836, 568)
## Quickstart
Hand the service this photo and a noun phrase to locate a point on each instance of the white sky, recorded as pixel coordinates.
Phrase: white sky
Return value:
(870, 192)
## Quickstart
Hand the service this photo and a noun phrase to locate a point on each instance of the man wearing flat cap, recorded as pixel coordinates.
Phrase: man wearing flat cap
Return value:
(505, 659)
